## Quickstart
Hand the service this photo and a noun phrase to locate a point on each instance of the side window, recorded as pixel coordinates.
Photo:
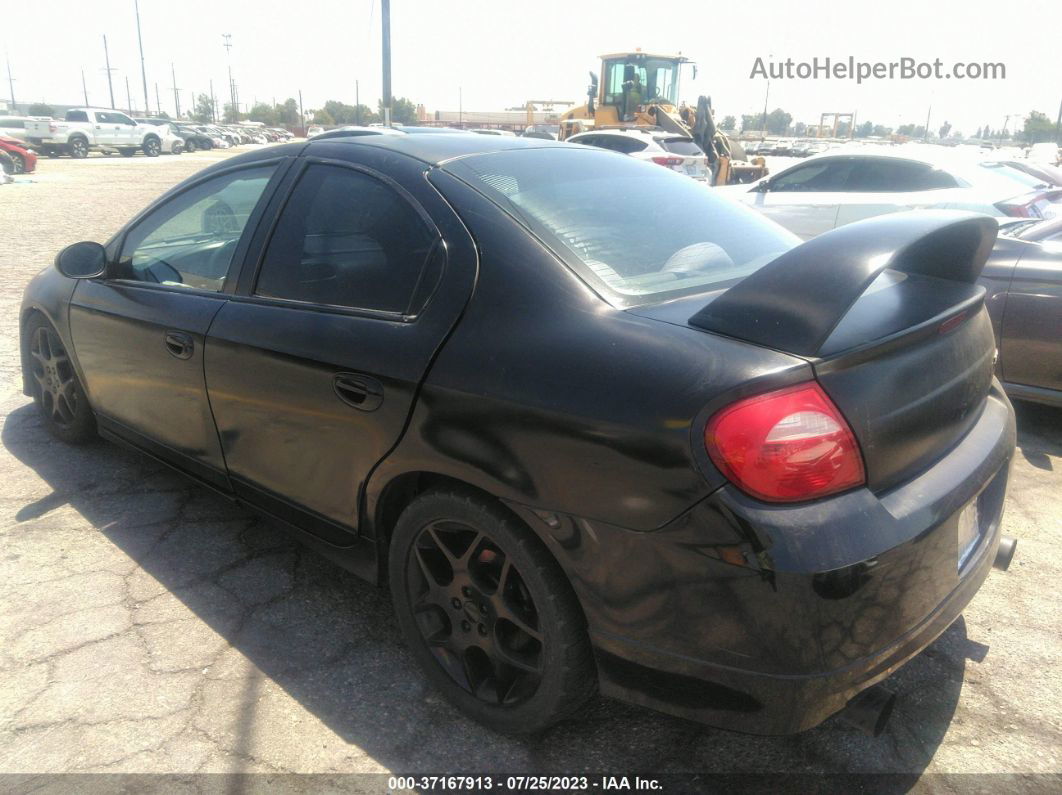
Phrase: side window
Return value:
(346, 239)
(121, 118)
(825, 175)
(885, 175)
(190, 240)
(105, 118)
(77, 115)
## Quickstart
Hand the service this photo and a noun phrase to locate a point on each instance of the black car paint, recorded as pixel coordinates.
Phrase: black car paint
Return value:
(612, 477)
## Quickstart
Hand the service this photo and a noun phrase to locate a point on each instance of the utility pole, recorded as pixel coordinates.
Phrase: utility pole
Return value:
(107, 60)
(84, 88)
(461, 107)
(176, 96)
(140, 41)
(232, 86)
(357, 103)
(158, 102)
(929, 113)
(128, 96)
(302, 116)
(1058, 124)
(385, 13)
(10, 81)
(213, 116)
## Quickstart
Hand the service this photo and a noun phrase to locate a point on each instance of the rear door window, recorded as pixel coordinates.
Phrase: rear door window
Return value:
(887, 175)
(76, 115)
(347, 239)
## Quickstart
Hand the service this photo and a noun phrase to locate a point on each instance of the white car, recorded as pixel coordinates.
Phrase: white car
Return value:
(847, 184)
(314, 130)
(677, 152)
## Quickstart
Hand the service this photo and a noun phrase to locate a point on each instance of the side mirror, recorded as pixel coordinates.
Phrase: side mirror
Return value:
(763, 187)
(85, 260)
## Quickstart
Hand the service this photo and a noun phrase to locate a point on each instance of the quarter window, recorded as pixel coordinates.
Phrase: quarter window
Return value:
(346, 239)
(190, 240)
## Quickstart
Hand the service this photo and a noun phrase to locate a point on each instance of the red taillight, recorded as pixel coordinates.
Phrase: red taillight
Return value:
(668, 161)
(1023, 206)
(785, 446)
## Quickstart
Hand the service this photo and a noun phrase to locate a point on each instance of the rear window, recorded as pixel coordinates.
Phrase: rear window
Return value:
(681, 146)
(76, 115)
(635, 232)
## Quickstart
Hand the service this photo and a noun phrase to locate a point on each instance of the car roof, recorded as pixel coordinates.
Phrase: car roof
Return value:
(437, 149)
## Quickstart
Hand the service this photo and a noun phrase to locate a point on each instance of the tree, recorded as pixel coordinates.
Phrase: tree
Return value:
(978, 135)
(40, 109)
(778, 121)
(403, 111)
(751, 121)
(945, 128)
(800, 129)
(1038, 128)
(865, 130)
(204, 109)
(288, 113)
(728, 123)
(231, 114)
(323, 117)
(881, 131)
(912, 130)
(264, 113)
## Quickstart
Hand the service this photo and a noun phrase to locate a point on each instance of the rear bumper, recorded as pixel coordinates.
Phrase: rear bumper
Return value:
(769, 619)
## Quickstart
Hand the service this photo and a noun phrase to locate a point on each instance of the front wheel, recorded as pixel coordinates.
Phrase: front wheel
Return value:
(57, 393)
(152, 147)
(488, 613)
(189, 146)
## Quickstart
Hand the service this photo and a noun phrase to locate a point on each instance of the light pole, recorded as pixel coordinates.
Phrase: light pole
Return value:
(228, 60)
(10, 81)
(385, 13)
(140, 41)
(766, 94)
(107, 60)
(176, 96)
(84, 88)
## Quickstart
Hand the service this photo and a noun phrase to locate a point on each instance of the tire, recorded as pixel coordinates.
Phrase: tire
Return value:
(7, 163)
(152, 146)
(208, 146)
(61, 402)
(78, 148)
(508, 643)
(189, 146)
(127, 151)
(18, 163)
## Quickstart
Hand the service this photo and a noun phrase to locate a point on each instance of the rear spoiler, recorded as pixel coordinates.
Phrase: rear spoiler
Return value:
(795, 301)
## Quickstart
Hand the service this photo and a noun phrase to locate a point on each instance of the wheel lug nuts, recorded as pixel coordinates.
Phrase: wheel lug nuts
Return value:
(466, 626)
(456, 603)
(466, 591)
(482, 629)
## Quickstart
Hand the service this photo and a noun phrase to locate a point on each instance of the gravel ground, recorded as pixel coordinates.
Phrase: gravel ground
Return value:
(149, 626)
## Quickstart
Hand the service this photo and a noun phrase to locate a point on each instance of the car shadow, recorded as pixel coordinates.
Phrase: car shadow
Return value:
(1039, 433)
(328, 641)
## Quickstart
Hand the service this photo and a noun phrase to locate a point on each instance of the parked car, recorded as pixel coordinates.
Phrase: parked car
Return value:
(1024, 282)
(490, 131)
(86, 129)
(14, 127)
(20, 159)
(194, 138)
(783, 146)
(353, 130)
(845, 185)
(1046, 173)
(314, 130)
(764, 147)
(172, 141)
(676, 152)
(577, 424)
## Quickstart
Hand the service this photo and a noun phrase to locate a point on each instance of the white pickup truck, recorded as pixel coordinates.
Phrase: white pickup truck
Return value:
(85, 129)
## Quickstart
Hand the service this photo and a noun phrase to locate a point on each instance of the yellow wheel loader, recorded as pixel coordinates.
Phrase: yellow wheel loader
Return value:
(640, 90)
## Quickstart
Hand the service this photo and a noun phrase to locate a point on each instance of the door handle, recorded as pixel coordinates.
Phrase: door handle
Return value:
(179, 345)
(358, 391)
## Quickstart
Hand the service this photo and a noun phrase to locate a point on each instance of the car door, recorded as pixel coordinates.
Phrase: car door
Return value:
(313, 367)
(1030, 349)
(138, 333)
(881, 185)
(128, 130)
(805, 198)
(107, 129)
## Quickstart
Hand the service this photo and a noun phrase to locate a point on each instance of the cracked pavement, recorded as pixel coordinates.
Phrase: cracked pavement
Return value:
(148, 625)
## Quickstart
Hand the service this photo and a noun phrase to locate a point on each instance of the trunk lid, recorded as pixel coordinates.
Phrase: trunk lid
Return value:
(889, 314)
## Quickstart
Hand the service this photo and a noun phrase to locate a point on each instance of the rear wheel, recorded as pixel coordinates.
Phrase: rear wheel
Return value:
(18, 163)
(488, 614)
(152, 146)
(189, 145)
(78, 148)
(60, 400)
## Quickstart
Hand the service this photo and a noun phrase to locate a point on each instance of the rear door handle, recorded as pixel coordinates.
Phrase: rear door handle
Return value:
(358, 391)
(179, 344)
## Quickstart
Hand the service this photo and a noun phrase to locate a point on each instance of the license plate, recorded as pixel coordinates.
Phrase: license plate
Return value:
(697, 171)
(969, 529)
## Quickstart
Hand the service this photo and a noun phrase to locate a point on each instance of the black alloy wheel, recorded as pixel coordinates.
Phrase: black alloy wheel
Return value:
(18, 163)
(60, 399)
(79, 148)
(488, 613)
(152, 146)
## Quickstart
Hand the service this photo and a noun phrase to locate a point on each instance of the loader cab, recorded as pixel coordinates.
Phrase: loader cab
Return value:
(632, 79)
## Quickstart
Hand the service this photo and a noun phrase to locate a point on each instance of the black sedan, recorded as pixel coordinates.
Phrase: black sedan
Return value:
(193, 138)
(1024, 282)
(594, 426)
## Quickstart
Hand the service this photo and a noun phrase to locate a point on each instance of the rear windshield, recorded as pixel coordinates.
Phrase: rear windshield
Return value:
(681, 146)
(635, 232)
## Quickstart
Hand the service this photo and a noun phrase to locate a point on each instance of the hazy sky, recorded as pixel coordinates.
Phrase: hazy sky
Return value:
(503, 53)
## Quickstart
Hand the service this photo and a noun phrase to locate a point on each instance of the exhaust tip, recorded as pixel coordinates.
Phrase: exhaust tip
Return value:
(1005, 552)
(870, 711)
